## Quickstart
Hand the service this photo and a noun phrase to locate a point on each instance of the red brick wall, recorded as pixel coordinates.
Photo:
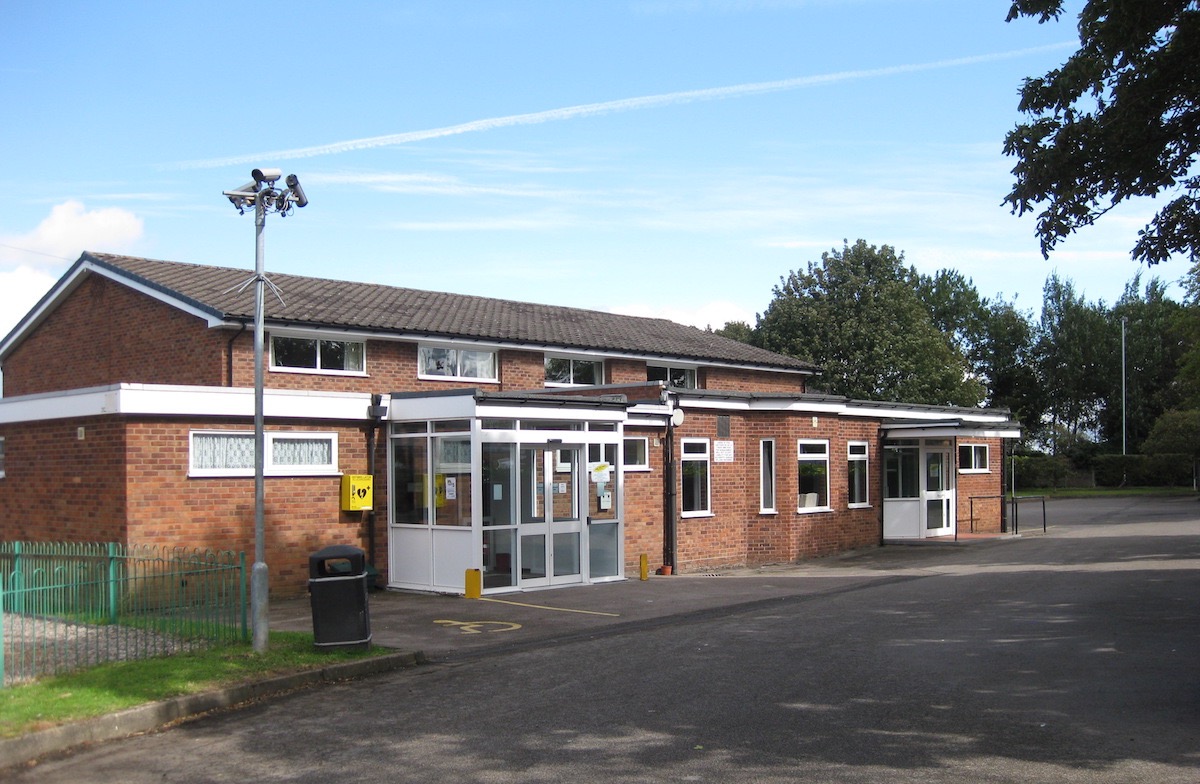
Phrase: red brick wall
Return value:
(106, 333)
(987, 509)
(644, 505)
(301, 514)
(730, 379)
(58, 487)
(737, 533)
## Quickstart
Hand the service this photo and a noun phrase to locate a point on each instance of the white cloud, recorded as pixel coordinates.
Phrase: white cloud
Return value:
(68, 230)
(20, 290)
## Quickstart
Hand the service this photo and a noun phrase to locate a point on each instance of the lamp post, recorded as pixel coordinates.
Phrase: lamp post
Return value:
(265, 197)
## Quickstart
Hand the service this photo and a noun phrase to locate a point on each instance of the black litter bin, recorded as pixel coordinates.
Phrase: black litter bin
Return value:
(337, 586)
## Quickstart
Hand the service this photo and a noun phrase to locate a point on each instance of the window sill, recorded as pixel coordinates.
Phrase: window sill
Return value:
(768, 512)
(813, 509)
(320, 372)
(693, 515)
(459, 379)
(974, 471)
(858, 506)
(636, 469)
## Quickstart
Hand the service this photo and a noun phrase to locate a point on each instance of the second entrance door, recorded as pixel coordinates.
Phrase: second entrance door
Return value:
(551, 529)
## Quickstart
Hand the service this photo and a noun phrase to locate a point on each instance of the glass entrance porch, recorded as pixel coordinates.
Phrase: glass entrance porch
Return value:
(529, 495)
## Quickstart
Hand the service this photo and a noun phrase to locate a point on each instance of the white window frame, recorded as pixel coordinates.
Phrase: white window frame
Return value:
(320, 371)
(572, 359)
(864, 457)
(803, 457)
(269, 467)
(626, 465)
(974, 468)
(1, 457)
(704, 456)
(456, 375)
(768, 505)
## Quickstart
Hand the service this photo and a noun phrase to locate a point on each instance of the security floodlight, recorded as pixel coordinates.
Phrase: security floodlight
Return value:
(264, 197)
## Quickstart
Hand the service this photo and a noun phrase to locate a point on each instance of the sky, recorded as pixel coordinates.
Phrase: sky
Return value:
(669, 158)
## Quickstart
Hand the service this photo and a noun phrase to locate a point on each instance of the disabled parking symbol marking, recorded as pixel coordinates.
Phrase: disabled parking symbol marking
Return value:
(477, 627)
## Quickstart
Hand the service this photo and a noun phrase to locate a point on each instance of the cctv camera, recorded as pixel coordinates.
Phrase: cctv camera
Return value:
(266, 175)
(293, 183)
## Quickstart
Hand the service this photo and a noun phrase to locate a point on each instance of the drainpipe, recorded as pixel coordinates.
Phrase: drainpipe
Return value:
(882, 481)
(376, 411)
(669, 506)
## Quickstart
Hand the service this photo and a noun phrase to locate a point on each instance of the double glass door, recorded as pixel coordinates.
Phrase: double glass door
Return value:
(551, 520)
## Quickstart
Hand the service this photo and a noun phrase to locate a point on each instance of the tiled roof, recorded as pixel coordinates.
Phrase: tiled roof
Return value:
(318, 302)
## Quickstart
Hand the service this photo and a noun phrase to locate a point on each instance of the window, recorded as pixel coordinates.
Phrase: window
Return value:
(1, 457)
(766, 479)
(231, 453)
(695, 478)
(813, 469)
(902, 471)
(314, 354)
(684, 378)
(470, 364)
(858, 485)
(573, 372)
(636, 454)
(973, 458)
(602, 453)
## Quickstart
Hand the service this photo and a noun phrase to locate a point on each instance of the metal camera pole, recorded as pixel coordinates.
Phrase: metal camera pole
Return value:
(264, 196)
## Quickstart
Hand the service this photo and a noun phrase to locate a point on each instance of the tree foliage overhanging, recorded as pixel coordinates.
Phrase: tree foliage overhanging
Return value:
(1118, 120)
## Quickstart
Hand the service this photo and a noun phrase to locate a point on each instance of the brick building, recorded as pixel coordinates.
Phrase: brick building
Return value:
(541, 445)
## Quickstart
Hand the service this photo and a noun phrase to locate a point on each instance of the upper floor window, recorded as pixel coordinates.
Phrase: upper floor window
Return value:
(460, 363)
(684, 378)
(317, 355)
(294, 453)
(573, 372)
(973, 458)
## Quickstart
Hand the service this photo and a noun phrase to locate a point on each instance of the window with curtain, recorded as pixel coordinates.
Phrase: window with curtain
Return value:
(231, 453)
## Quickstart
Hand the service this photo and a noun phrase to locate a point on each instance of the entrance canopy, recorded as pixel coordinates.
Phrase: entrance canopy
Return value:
(525, 487)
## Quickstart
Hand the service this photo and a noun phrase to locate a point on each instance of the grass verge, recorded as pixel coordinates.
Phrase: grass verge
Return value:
(1104, 492)
(120, 685)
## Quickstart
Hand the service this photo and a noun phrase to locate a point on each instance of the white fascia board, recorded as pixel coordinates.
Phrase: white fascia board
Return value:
(165, 400)
(953, 432)
(565, 412)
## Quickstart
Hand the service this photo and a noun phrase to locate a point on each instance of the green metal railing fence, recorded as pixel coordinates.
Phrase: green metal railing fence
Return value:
(68, 605)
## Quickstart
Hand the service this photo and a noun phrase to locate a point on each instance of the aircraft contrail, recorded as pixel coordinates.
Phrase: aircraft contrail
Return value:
(608, 107)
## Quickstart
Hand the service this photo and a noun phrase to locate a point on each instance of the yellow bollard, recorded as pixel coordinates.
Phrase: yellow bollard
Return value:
(474, 583)
(644, 567)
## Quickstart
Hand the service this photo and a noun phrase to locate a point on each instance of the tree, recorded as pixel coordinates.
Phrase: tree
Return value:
(1120, 119)
(1006, 364)
(1175, 433)
(737, 330)
(1153, 351)
(1074, 358)
(858, 316)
